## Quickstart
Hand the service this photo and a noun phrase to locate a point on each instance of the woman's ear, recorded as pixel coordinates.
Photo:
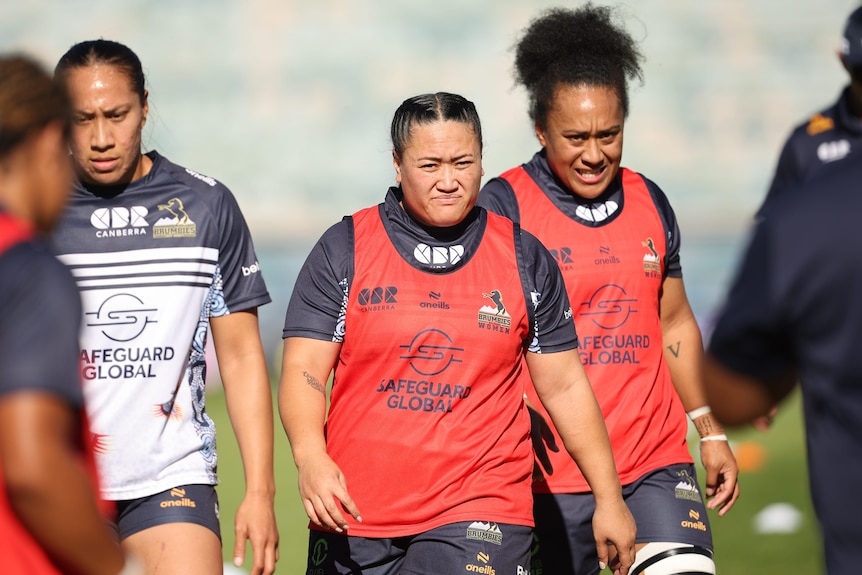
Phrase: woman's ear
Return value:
(396, 161)
(540, 134)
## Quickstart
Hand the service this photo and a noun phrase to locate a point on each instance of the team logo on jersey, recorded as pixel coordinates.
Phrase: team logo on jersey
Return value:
(177, 225)
(652, 263)
(119, 221)
(495, 317)
(484, 531)
(438, 256)
(609, 307)
(819, 123)
(687, 487)
(122, 317)
(379, 298)
(833, 151)
(431, 352)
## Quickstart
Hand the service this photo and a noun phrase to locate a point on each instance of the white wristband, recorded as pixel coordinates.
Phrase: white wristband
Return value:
(719, 437)
(699, 412)
(132, 566)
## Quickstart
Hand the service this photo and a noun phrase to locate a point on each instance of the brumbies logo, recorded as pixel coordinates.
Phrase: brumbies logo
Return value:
(687, 487)
(177, 225)
(652, 267)
(495, 317)
(484, 531)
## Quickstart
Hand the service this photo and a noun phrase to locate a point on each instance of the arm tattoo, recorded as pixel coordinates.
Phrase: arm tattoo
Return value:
(313, 383)
(674, 349)
(706, 425)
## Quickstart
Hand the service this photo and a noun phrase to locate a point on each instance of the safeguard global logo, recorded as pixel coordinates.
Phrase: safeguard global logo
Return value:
(431, 352)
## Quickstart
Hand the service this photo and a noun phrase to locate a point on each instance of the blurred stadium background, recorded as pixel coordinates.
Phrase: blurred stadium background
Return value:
(289, 102)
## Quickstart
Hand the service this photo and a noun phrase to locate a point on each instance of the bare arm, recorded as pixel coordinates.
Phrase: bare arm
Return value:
(248, 394)
(737, 399)
(306, 366)
(683, 352)
(565, 391)
(48, 487)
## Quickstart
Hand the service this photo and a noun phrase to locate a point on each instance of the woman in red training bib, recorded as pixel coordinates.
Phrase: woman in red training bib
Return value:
(615, 238)
(425, 308)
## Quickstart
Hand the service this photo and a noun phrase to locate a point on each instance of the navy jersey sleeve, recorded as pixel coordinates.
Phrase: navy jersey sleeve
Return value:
(497, 196)
(750, 336)
(672, 263)
(319, 299)
(554, 326)
(243, 282)
(787, 172)
(41, 312)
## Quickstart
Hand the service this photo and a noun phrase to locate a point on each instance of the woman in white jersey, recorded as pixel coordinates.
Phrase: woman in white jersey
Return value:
(161, 254)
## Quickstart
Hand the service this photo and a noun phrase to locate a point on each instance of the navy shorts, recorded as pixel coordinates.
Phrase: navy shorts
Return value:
(465, 547)
(666, 504)
(183, 504)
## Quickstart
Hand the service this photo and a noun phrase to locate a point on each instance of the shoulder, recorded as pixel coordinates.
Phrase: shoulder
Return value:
(816, 127)
(32, 278)
(339, 235)
(498, 196)
(655, 191)
(534, 253)
(33, 266)
(826, 197)
(194, 180)
(333, 250)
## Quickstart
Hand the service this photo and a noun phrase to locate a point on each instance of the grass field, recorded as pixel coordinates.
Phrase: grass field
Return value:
(774, 472)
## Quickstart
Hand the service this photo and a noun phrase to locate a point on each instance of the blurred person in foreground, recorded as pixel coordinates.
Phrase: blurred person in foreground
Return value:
(163, 257)
(832, 137)
(50, 519)
(616, 239)
(794, 314)
(427, 308)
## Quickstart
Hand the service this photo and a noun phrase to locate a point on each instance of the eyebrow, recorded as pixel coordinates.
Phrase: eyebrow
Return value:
(614, 128)
(440, 159)
(114, 110)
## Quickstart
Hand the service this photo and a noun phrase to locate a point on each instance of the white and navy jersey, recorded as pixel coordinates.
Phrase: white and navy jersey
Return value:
(317, 306)
(825, 142)
(154, 260)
